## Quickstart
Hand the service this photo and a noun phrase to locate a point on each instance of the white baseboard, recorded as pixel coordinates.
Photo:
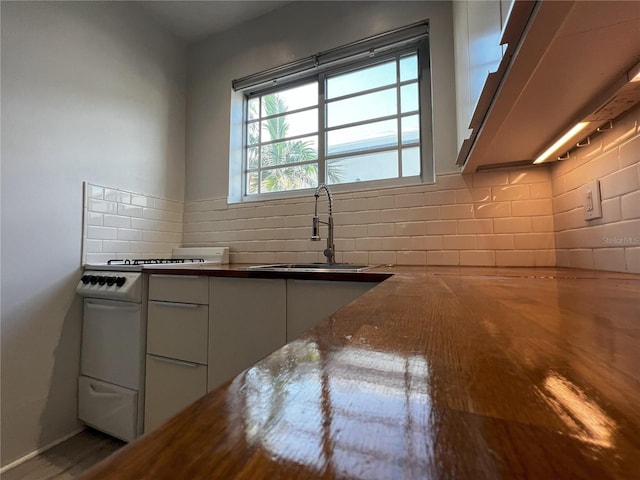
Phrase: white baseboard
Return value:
(37, 452)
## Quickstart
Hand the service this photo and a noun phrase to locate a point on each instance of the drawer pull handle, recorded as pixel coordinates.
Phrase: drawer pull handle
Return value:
(175, 304)
(176, 362)
(96, 393)
(160, 275)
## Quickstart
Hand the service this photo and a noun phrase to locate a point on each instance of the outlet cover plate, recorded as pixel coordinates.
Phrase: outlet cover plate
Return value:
(591, 201)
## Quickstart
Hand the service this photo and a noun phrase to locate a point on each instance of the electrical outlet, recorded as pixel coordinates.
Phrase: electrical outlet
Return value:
(591, 201)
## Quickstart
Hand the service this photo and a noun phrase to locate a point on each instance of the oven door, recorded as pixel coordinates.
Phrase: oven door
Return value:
(113, 342)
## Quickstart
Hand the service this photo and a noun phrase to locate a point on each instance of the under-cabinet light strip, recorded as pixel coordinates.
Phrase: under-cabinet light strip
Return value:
(574, 131)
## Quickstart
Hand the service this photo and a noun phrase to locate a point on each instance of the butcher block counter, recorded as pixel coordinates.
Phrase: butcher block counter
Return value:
(456, 373)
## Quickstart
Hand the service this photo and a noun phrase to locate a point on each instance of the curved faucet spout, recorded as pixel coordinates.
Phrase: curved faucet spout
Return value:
(330, 251)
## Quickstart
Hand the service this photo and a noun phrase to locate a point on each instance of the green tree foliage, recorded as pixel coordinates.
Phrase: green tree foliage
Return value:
(289, 156)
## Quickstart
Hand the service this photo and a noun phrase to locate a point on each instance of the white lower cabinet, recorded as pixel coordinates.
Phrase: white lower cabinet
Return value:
(177, 337)
(309, 301)
(171, 385)
(193, 347)
(247, 318)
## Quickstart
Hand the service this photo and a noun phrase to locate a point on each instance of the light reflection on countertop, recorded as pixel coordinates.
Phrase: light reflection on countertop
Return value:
(318, 400)
(582, 415)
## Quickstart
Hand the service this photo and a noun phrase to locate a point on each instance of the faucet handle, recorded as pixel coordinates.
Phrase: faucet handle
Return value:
(315, 232)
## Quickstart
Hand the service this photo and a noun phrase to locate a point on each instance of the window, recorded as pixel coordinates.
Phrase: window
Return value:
(359, 122)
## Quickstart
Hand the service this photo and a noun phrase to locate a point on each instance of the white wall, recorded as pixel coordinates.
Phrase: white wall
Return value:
(292, 32)
(90, 91)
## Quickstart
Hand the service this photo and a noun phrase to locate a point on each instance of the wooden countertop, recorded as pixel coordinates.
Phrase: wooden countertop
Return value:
(457, 373)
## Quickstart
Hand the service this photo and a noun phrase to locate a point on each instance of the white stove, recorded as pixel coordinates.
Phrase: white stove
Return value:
(114, 332)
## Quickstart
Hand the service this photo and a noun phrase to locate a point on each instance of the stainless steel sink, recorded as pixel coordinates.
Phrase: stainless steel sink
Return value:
(311, 267)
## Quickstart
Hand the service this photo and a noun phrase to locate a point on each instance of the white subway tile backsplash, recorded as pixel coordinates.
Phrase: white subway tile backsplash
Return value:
(460, 242)
(619, 183)
(92, 246)
(513, 225)
(515, 258)
(116, 221)
(495, 242)
(129, 234)
(115, 246)
(456, 211)
(490, 179)
(443, 257)
(429, 242)
(114, 225)
(141, 201)
(509, 192)
(632, 259)
(531, 207)
(124, 197)
(94, 218)
(129, 210)
(492, 210)
(382, 258)
(484, 225)
(478, 258)
(411, 258)
(95, 191)
(100, 206)
(111, 195)
(630, 152)
(630, 205)
(101, 233)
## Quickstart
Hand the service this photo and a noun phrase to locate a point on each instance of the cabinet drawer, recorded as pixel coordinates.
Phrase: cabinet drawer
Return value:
(171, 385)
(107, 407)
(179, 288)
(178, 330)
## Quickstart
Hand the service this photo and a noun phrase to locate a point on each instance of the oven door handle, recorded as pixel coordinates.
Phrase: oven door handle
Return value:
(102, 306)
(96, 393)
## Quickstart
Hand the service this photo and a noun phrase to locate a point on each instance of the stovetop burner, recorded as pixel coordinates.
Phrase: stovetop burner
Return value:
(154, 261)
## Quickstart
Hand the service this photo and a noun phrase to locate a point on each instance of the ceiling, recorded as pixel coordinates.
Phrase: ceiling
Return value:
(194, 20)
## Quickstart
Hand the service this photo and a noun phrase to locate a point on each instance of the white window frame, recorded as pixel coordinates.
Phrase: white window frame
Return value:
(238, 160)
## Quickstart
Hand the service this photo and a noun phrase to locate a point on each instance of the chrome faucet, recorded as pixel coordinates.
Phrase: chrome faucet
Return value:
(330, 251)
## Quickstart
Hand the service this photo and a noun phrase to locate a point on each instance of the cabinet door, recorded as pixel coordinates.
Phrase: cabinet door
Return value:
(171, 385)
(309, 301)
(247, 318)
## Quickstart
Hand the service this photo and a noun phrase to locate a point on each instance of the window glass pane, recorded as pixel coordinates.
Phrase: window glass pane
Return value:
(252, 183)
(290, 99)
(360, 168)
(410, 129)
(362, 137)
(253, 134)
(253, 157)
(362, 107)
(411, 162)
(291, 151)
(409, 68)
(253, 108)
(290, 178)
(360, 80)
(290, 125)
(409, 98)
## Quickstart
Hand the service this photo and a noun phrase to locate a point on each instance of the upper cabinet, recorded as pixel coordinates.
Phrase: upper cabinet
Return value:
(526, 71)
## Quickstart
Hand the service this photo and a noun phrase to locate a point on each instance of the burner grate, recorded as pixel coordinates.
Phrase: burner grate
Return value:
(153, 261)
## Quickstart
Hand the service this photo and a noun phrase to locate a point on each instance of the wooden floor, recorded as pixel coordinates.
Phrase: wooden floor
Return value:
(68, 459)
